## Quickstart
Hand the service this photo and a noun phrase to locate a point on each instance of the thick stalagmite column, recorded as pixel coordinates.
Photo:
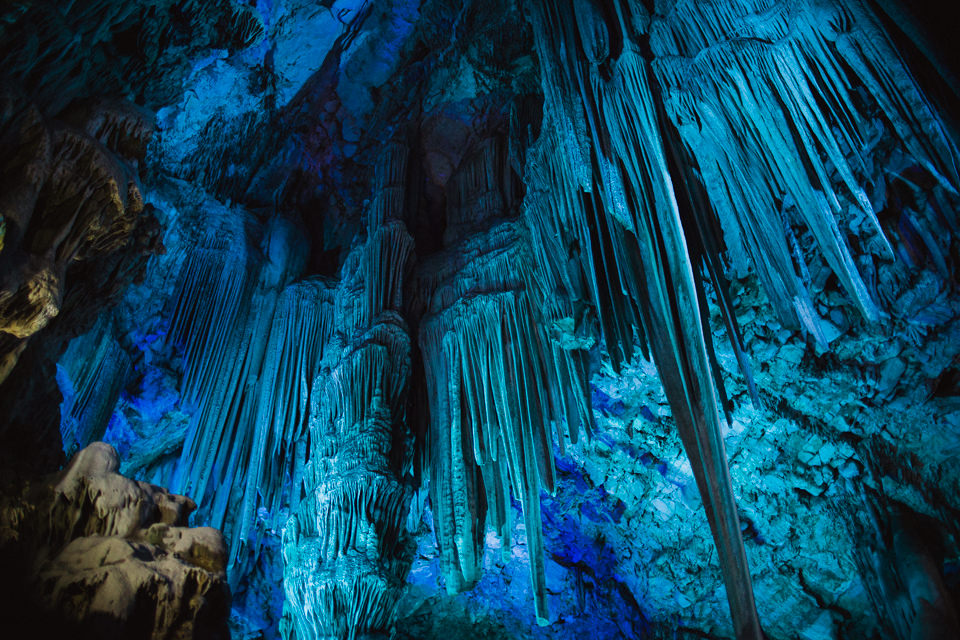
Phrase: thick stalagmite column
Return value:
(345, 549)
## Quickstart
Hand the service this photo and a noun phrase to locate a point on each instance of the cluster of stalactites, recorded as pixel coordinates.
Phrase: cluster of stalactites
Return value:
(498, 379)
(778, 103)
(898, 553)
(300, 329)
(251, 344)
(478, 193)
(346, 550)
(612, 198)
(91, 374)
(210, 300)
(759, 112)
(390, 175)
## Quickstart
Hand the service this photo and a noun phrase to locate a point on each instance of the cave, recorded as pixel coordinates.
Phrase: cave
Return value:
(495, 319)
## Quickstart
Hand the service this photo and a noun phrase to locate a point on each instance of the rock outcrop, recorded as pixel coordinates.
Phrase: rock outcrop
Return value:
(103, 556)
(70, 193)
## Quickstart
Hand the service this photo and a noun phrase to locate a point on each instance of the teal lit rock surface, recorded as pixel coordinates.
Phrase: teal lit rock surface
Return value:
(503, 319)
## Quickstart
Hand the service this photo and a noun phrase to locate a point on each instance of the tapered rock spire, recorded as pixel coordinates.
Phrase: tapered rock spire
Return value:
(638, 265)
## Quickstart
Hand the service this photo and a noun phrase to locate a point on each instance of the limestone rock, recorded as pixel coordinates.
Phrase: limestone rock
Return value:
(70, 193)
(104, 556)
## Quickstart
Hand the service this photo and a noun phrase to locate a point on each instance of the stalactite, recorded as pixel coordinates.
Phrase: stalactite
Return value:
(251, 347)
(301, 326)
(346, 549)
(772, 100)
(211, 294)
(638, 265)
(497, 379)
(899, 555)
(95, 368)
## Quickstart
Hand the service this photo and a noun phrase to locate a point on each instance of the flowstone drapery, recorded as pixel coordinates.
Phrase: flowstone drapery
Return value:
(94, 372)
(250, 348)
(496, 379)
(346, 549)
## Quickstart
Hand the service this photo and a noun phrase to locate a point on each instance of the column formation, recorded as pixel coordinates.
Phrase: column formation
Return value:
(346, 551)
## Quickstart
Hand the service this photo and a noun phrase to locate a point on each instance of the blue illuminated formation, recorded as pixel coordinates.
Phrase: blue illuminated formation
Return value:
(504, 318)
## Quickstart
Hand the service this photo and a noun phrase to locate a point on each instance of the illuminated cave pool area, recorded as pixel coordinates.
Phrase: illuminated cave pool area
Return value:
(492, 319)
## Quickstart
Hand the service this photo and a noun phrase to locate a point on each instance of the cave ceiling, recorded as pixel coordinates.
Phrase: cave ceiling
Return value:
(493, 319)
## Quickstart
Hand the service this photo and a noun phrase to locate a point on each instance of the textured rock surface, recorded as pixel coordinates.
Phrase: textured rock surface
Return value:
(104, 556)
(718, 237)
(76, 230)
(345, 549)
(70, 194)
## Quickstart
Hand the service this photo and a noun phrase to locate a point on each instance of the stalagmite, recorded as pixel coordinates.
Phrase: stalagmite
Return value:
(105, 556)
(346, 550)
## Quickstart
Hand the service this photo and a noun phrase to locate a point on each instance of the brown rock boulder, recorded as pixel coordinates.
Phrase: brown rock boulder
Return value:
(103, 556)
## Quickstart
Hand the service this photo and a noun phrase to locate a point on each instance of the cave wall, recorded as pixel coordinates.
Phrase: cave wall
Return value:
(657, 315)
